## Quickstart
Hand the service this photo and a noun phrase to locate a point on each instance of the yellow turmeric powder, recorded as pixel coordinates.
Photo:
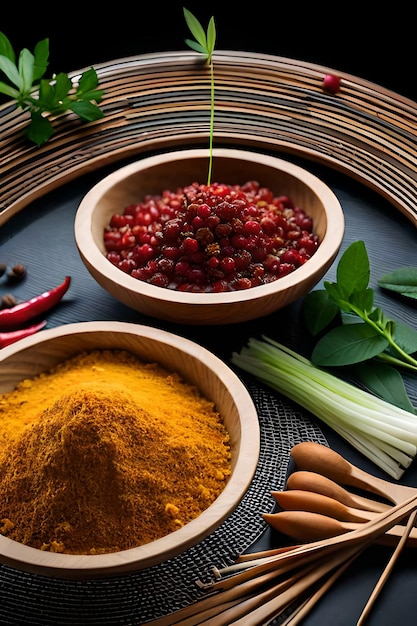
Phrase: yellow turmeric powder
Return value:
(104, 453)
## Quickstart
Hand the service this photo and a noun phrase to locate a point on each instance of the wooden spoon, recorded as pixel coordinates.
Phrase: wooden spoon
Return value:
(316, 457)
(317, 483)
(306, 527)
(299, 500)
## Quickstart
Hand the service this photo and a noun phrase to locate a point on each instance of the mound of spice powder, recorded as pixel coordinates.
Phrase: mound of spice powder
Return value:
(113, 453)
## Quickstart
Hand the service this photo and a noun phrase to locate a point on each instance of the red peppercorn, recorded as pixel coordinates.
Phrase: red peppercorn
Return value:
(211, 238)
(331, 83)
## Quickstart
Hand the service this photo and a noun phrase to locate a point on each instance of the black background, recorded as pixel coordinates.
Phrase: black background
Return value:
(365, 39)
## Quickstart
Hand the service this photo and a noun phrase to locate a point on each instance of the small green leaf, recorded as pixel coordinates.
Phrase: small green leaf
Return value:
(405, 337)
(338, 295)
(196, 46)
(363, 300)
(11, 71)
(211, 37)
(385, 382)
(87, 111)
(9, 91)
(349, 344)
(39, 130)
(6, 48)
(403, 281)
(318, 311)
(196, 29)
(61, 86)
(378, 316)
(26, 63)
(88, 81)
(353, 270)
(41, 54)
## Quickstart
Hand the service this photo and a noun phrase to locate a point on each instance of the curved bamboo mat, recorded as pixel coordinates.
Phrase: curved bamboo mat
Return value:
(160, 101)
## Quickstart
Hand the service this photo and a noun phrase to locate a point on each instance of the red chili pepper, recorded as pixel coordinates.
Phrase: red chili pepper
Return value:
(25, 311)
(14, 335)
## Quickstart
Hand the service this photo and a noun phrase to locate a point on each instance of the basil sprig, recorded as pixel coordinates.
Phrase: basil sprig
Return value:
(46, 98)
(360, 331)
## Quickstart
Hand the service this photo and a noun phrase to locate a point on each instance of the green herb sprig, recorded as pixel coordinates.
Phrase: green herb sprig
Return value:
(364, 332)
(46, 98)
(384, 433)
(204, 43)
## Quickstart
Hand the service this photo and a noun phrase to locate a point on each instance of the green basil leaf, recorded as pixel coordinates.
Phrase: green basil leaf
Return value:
(318, 311)
(363, 300)
(350, 318)
(61, 86)
(39, 130)
(88, 81)
(338, 295)
(41, 54)
(9, 91)
(353, 269)
(405, 337)
(385, 382)
(378, 316)
(86, 111)
(25, 66)
(96, 95)
(6, 49)
(346, 345)
(403, 281)
(11, 71)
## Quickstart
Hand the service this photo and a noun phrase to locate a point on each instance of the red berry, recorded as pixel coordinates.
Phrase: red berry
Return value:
(331, 83)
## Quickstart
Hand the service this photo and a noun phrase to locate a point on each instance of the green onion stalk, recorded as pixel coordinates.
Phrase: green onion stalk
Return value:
(384, 433)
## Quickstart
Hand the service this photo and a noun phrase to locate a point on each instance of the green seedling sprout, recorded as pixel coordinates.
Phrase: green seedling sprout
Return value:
(204, 43)
(46, 98)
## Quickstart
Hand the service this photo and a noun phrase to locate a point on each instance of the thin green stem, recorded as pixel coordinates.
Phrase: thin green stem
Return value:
(211, 122)
(406, 360)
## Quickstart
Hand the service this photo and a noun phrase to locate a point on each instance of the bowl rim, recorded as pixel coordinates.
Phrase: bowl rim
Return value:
(94, 257)
(74, 565)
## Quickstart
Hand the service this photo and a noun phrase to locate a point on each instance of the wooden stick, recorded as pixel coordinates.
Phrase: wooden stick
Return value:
(305, 607)
(388, 569)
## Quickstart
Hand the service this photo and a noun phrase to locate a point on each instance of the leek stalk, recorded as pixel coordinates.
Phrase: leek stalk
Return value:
(384, 433)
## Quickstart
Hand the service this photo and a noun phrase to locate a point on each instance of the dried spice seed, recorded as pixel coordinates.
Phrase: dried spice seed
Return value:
(211, 238)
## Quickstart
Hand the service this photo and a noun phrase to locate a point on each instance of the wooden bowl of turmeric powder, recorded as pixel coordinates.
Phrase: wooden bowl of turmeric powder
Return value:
(176, 243)
(122, 446)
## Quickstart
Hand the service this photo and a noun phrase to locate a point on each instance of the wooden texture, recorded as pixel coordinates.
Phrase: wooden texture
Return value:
(161, 100)
(314, 457)
(132, 183)
(197, 366)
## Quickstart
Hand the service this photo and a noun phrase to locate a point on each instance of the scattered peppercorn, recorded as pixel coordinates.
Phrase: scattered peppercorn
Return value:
(17, 273)
(7, 301)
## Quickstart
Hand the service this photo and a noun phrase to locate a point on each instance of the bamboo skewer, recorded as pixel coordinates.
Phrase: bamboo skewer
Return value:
(388, 569)
(243, 596)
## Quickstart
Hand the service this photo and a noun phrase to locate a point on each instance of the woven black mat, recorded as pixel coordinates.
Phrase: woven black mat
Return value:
(29, 599)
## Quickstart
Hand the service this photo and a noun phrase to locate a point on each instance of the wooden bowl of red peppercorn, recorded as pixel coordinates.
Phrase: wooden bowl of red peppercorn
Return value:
(171, 244)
